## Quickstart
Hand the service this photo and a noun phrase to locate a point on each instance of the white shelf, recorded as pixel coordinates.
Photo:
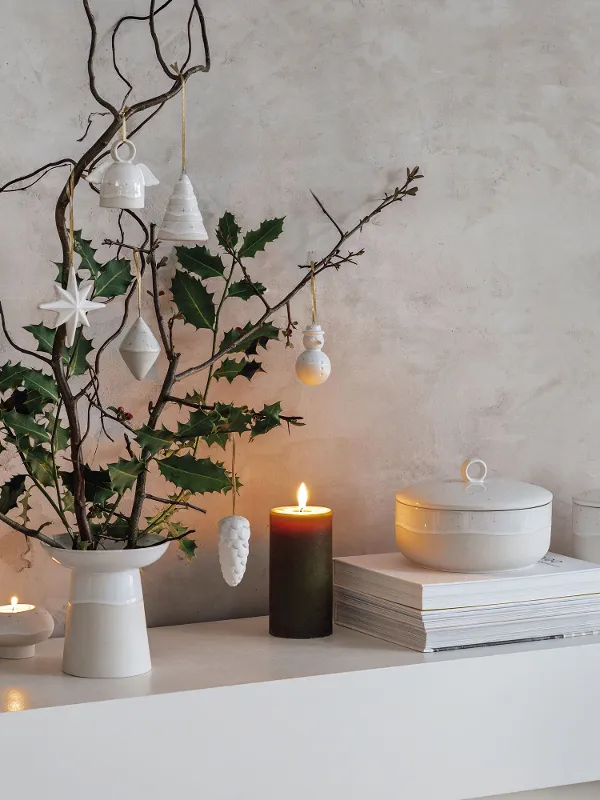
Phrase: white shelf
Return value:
(230, 712)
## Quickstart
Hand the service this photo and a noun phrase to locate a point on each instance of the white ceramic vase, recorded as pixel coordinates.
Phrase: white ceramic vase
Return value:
(106, 634)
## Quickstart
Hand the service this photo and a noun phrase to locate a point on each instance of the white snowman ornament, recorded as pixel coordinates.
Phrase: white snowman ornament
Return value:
(234, 546)
(313, 366)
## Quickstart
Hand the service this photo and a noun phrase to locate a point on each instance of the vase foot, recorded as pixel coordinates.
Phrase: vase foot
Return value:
(106, 641)
(25, 651)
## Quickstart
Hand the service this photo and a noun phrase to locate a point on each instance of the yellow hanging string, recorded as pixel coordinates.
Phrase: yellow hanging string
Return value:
(313, 292)
(138, 277)
(183, 142)
(183, 116)
(233, 478)
(71, 193)
(123, 129)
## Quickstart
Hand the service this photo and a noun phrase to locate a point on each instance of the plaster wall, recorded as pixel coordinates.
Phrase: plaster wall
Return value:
(470, 326)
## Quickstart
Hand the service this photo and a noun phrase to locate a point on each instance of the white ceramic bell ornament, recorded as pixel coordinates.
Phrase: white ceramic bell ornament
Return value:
(122, 183)
(234, 547)
(313, 366)
(183, 221)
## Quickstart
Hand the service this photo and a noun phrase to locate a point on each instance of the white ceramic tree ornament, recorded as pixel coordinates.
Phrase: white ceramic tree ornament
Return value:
(183, 221)
(122, 183)
(234, 537)
(139, 348)
(313, 366)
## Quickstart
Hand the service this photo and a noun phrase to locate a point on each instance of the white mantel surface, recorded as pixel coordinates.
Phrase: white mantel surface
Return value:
(230, 712)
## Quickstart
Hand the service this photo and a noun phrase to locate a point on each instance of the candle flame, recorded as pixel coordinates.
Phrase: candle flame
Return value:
(302, 497)
(14, 601)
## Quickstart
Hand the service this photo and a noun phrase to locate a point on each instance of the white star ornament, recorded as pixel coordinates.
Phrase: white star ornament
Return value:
(72, 305)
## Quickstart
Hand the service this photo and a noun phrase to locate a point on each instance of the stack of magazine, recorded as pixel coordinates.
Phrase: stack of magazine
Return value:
(388, 597)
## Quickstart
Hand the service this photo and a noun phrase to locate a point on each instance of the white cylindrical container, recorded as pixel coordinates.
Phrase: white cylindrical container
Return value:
(586, 526)
(473, 524)
(106, 635)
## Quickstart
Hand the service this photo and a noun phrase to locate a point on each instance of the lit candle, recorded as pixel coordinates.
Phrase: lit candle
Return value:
(22, 626)
(300, 570)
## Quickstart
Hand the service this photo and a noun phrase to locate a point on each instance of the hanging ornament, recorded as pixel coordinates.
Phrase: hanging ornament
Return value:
(122, 183)
(139, 349)
(313, 366)
(72, 304)
(183, 221)
(234, 538)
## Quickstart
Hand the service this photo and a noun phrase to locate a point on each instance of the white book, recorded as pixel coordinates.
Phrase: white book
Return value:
(392, 577)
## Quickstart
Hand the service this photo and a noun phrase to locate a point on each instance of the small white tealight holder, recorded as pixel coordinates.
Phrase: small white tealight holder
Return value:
(22, 626)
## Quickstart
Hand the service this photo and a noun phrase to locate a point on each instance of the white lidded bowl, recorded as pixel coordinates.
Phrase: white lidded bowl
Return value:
(586, 526)
(473, 524)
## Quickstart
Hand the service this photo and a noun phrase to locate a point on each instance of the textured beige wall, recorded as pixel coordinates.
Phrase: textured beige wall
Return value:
(471, 324)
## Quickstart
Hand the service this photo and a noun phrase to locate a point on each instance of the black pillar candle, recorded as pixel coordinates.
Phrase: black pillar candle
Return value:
(300, 572)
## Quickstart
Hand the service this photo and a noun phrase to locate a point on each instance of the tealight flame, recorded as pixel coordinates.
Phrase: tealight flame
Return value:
(302, 497)
(14, 601)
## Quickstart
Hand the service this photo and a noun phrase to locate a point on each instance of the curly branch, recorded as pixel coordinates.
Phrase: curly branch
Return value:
(181, 503)
(90, 62)
(33, 534)
(63, 162)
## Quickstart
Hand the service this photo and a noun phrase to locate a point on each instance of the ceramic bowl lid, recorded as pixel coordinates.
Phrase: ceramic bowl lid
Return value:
(591, 499)
(473, 492)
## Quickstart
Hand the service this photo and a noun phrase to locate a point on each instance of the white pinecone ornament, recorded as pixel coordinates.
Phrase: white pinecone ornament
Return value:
(234, 546)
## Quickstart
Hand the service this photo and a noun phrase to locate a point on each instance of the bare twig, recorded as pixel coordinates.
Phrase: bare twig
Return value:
(89, 122)
(327, 214)
(33, 534)
(166, 339)
(63, 162)
(90, 62)
(181, 503)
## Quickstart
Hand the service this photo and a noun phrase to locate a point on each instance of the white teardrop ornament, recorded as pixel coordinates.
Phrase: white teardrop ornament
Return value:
(313, 366)
(139, 349)
(234, 546)
(183, 221)
(122, 183)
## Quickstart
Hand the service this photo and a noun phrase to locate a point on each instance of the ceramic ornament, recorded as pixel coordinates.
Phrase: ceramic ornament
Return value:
(122, 183)
(183, 221)
(234, 546)
(313, 366)
(139, 349)
(72, 305)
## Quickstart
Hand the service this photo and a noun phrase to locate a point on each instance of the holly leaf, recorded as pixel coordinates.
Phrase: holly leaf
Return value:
(198, 475)
(254, 241)
(98, 488)
(115, 278)
(200, 423)
(200, 261)
(154, 440)
(193, 301)
(11, 376)
(123, 473)
(217, 438)
(43, 384)
(268, 419)
(228, 231)
(84, 248)
(188, 547)
(246, 289)
(11, 492)
(248, 342)
(74, 358)
(24, 401)
(230, 369)
(237, 419)
(23, 425)
(60, 435)
(40, 464)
